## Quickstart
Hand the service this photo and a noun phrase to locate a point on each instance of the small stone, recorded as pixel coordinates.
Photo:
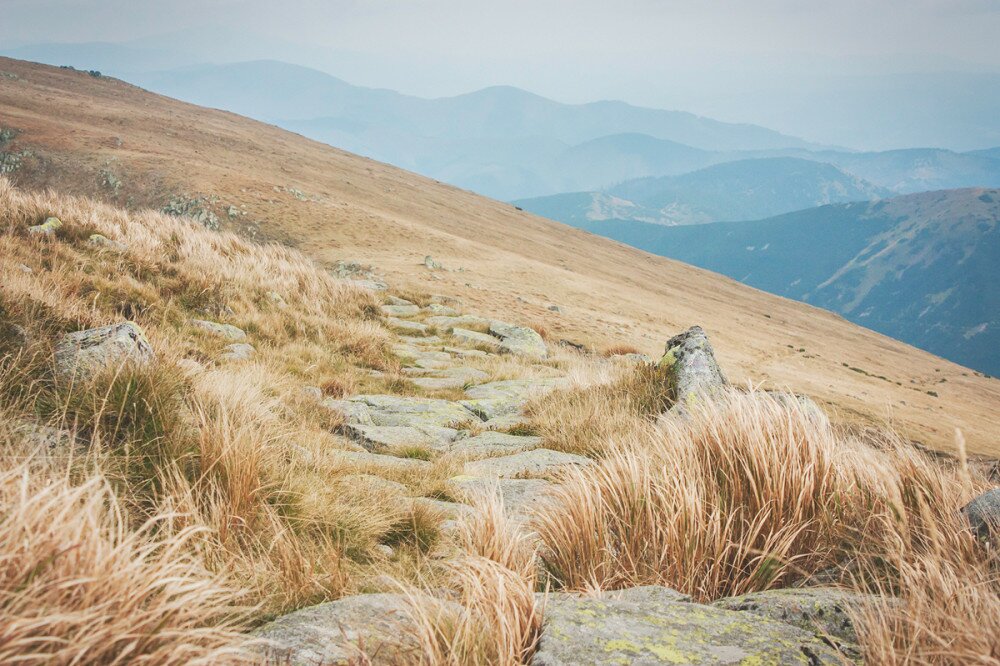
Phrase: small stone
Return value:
(239, 351)
(554, 308)
(432, 265)
(491, 442)
(276, 298)
(89, 350)
(519, 340)
(312, 393)
(441, 310)
(983, 514)
(395, 300)
(24, 268)
(445, 322)
(221, 330)
(46, 228)
(368, 460)
(384, 551)
(392, 438)
(106, 243)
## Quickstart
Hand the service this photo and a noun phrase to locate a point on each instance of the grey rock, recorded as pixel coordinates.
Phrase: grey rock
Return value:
(648, 594)
(490, 442)
(507, 421)
(404, 325)
(519, 340)
(983, 514)
(506, 397)
(400, 310)
(536, 462)
(823, 611)
(396, 300)
(448, 322)
(276, 298)
(473, 353)
(585, 631)
(312, 392)
(474, 337)
(393, 410)
(391, 438)
(441, 310)
(46, 228)
(351, 630)
(86, 351)
(367, 285)
(351, 411)
(520, 496)
(422, 341)
(239, 351)
(638, 359)
(691, 365)
(220, 330)
(53, 441)
(447, 509)
(97, 240)
(432, 265)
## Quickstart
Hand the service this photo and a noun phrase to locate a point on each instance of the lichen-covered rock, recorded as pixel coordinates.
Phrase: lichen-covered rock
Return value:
(46, 228)
(441, 310)
(490, 443)
(394, 410)
(584, 631)
(378, 462)
(351, 630)
(351, 411)
(396, 300)
(83, 352)
(506, 397)
(227, 331)
(519, 496)
(648, 594)
(983, 514)
(446, 322)
(430, 264)
(519, 340)
(692, 370)
(823, 611)
(536, 462)
(404, 325)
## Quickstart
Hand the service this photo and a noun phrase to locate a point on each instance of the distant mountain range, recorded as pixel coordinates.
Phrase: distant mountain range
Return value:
(740, 190)
(921, 268)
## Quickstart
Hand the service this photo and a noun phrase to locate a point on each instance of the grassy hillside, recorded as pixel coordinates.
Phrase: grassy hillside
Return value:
(74, 131)
(917, 267)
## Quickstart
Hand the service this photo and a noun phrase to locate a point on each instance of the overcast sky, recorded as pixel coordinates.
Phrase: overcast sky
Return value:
(709, 56)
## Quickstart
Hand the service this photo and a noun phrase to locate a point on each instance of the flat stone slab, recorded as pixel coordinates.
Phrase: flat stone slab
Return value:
(506, 397)
(447, 509)
(489, 443)
(227, 331)
(421, 341)
(474, 337)
(460, 351)
(507, 421)
(352, 411)
(394, 410)
(404, 325)
(441, 310)
(400, 310)
(462, 321)
(454, 377)
(520, 496)
(392, 438)
(347, 631)
(536, 462)
(587, 631)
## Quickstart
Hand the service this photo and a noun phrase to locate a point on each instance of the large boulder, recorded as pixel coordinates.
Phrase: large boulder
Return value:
(823, 611)
(367, 628)
(691, 366)
(519, 340)
(83, 352)
(983, 514)
(650, 629)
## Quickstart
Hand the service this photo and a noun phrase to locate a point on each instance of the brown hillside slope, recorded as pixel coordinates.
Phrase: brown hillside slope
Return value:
(113, 141)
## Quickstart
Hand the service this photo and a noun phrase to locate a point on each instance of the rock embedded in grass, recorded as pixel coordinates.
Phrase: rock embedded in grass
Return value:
(519, 340)
(84, 352)
(692, 370)
(46, 228)
(587, 631)
(983, 514)
(367, 628)
(400, 310)
(101, 241)
(227, 331)
(239, 351)
(536, 462)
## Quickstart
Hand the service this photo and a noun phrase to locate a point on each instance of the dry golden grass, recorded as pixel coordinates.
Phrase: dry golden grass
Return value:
(79, 584)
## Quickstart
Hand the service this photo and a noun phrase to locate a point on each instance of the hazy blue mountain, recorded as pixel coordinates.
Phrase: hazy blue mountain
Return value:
(740, 190)
(921, 268)
(918, 169)
(991, 153)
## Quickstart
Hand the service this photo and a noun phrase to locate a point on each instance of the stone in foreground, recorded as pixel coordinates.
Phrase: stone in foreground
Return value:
(585, 631)
(822, 611)
(87, 351)
(352, 630)
(394, 410)
(983, 514)
(691, 366)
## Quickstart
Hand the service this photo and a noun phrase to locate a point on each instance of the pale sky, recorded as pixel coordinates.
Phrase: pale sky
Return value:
(726, 58)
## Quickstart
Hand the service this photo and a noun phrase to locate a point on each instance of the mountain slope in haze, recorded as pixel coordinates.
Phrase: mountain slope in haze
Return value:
(922, 268)
(740, 190)
(112, 141)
